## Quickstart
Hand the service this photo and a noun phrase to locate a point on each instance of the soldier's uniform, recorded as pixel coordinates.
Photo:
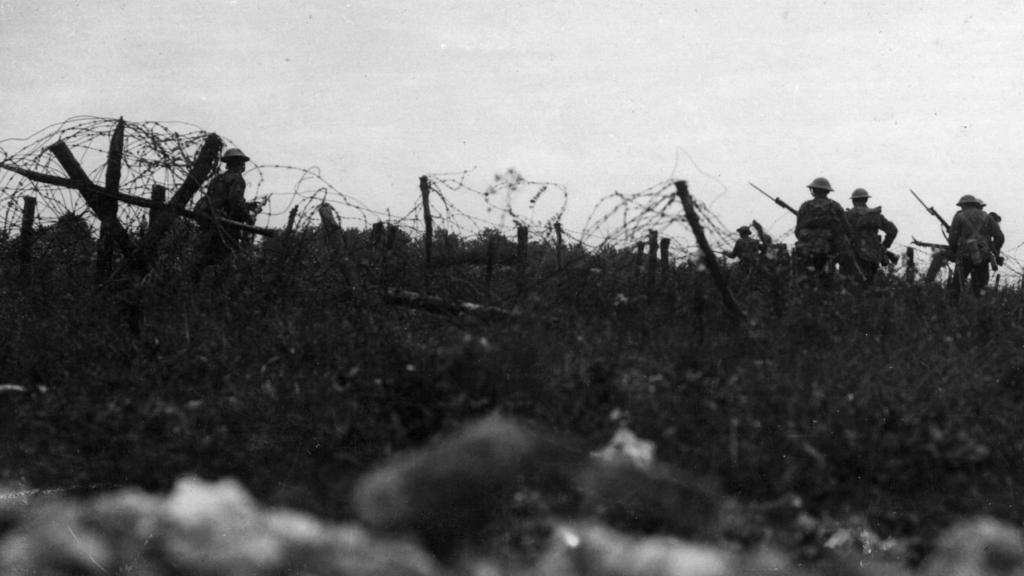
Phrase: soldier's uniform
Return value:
(975, 239)
(865, 223)
(820, 230)
(225, 198)
(747, 249)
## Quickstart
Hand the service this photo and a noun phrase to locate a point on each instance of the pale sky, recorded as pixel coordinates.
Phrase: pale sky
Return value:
(596, 96)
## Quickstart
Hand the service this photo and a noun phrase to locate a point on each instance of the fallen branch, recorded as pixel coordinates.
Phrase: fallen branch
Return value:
(441, 306)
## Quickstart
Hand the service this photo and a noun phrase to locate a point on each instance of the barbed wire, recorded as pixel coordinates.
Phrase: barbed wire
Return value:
(162, 153)
(154, 154)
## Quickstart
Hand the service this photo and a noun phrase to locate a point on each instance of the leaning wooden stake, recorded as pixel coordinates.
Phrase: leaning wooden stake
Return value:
(202, 167)
(95, 200)
(709, 256)
(28, 218)
(428, 222)
(910, 273)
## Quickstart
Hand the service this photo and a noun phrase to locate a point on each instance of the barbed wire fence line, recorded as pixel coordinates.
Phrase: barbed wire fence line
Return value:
(161, 154)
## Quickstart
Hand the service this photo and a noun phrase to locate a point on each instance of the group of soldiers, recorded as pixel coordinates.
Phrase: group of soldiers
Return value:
(855, 242)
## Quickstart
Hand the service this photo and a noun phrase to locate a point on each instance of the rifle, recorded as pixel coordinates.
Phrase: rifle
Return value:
(775, 199)
(931, 210)
(917, 242)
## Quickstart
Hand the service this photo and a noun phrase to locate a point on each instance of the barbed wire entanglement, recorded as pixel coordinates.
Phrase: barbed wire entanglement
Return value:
(155, 154)
(162, 154)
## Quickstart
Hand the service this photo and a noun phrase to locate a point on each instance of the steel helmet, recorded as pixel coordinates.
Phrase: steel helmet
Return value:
(743, 229)
(820, 183)
(860, 193)
(969, 199)
(234, 153)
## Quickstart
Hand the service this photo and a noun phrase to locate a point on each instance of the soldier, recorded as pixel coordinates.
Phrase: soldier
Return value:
(975, 239)
(746, 249)
(225, 198)
(868, 252)
(821, 231)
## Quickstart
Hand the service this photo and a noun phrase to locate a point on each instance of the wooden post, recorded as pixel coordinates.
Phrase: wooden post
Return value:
(108, 205)
(638, 263)
(89, 191)
(428, 222)
(159, 195)
(377, 234)
(202, 166)
(522, 242)
(709, 256)
(392, 236)
(28, 218)
(652, 261)
(492, 251)
(665, 267)
(291, 221)
(910, 273)
(558, 246)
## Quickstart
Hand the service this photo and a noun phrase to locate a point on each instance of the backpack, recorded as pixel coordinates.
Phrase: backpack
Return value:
(975, 246)
(817, 231)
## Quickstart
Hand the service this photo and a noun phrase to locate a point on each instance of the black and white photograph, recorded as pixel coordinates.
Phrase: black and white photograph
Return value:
(511, 288)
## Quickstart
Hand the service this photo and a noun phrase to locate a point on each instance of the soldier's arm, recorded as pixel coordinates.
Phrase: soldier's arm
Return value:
(236, 193)
(997, 235)
(954, 231)
(890, 231)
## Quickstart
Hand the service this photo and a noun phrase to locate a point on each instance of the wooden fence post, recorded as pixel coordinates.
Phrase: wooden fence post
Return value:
(665, 268)
(392, 236)
(492, 251)
(709, 256)
(428, 222)
(652, 261)
(522, 242)
(638, 263)
(28, 218)
(910, 266)
(157, 194)
(292, 214)
(106, 208)
(377, 234)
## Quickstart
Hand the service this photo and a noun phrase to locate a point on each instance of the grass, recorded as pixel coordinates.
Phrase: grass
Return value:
(897, 401)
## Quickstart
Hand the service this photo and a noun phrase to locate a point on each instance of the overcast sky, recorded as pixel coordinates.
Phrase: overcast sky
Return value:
(597, 96)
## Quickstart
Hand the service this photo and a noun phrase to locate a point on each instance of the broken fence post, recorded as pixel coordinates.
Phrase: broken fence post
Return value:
(428, 222)
(28, 218)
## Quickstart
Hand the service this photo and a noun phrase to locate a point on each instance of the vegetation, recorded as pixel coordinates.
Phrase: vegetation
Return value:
(292, 370)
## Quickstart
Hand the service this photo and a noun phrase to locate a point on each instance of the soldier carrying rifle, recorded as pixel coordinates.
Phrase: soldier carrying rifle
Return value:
(822, 233)
(869, 253)
(975, 239)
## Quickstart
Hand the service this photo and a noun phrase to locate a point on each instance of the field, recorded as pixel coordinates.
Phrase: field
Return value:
(295, 368)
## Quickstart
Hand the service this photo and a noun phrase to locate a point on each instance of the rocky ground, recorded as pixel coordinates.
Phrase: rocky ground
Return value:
(497, 497)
